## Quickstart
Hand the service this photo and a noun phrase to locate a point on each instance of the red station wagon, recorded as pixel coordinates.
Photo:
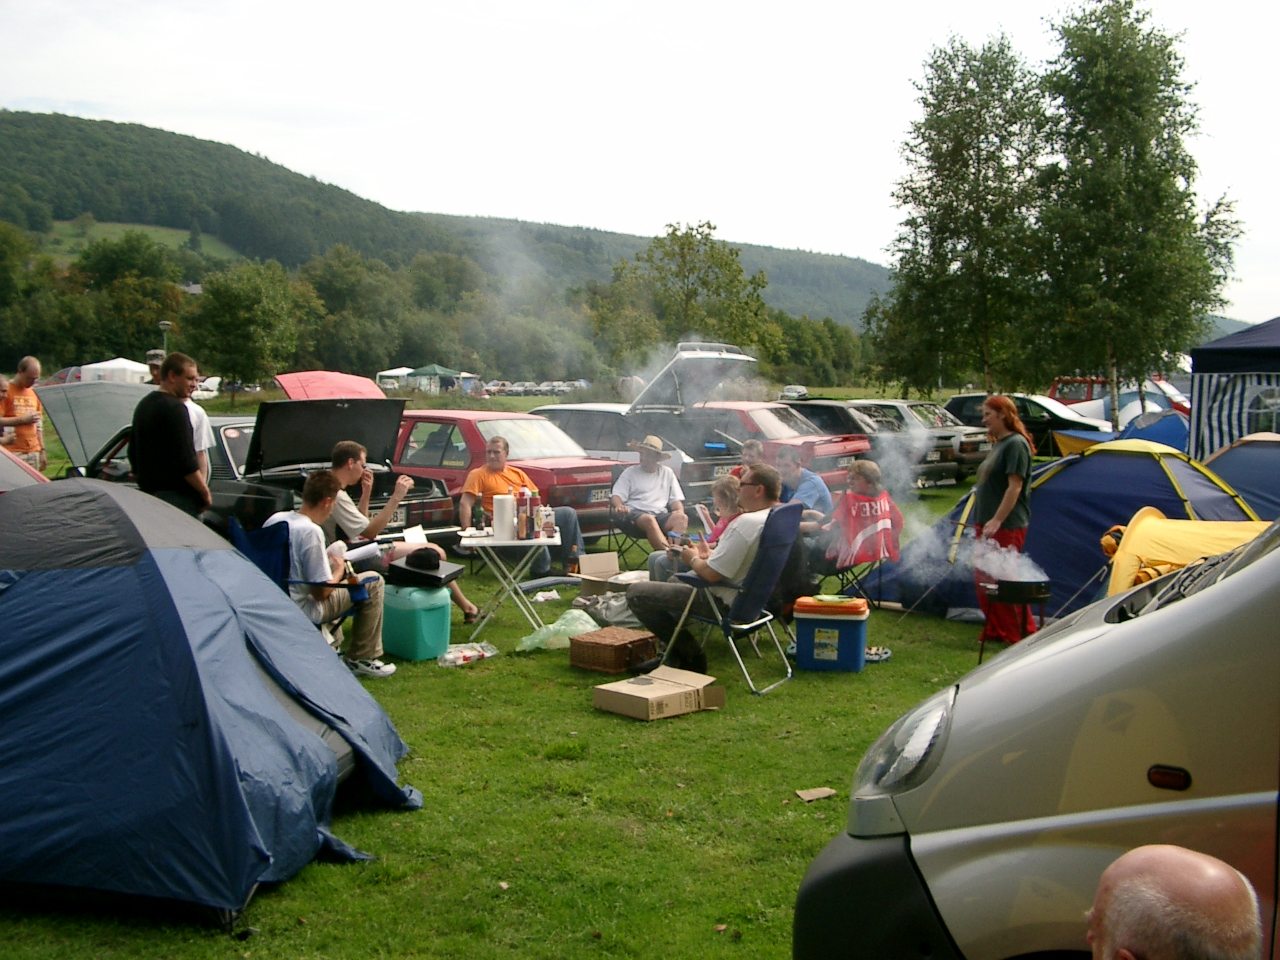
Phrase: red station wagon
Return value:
(448, 444)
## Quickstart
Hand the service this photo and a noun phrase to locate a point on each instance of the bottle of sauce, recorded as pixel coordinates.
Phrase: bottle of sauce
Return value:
(523, 521)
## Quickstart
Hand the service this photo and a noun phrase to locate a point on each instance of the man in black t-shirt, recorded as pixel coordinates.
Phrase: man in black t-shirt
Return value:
(161, 448)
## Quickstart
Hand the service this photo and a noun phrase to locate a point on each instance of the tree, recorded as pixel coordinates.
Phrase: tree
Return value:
(247, 322)
(963, 280)
(1134, 268)
(684, 284)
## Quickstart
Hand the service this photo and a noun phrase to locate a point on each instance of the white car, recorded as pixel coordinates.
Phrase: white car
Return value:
(794, 391)
(208, 389)
(981, 820)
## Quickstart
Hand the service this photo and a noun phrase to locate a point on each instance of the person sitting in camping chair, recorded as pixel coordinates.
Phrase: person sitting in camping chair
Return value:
(316, 574)
(865, 526)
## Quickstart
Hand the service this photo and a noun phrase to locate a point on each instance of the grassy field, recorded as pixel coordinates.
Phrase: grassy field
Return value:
(554, 830)
(66, 241)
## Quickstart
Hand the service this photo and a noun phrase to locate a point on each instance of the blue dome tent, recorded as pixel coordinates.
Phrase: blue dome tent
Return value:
(172, 726)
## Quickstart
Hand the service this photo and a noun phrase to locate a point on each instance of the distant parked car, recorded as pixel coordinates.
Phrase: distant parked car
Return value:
(446, 445)
(208, 389)
(904, 461)
(794, 391)
(523, 388)
(953, 441)
(709, 435)
(1041, 415)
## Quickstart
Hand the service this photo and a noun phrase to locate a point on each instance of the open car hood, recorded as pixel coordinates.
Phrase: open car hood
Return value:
(293, 433)
(692, 375)
(325, 385)
(87, 415)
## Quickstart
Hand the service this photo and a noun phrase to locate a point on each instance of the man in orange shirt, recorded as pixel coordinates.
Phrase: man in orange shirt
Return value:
(498, 477)
(22, 411)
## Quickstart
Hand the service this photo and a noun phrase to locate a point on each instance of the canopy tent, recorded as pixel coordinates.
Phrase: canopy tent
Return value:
(174, 726)
(1073, 502)
(395, 373)
(1153, 541)
(121, 370)
(434, 370)
(1252, 466)
(1235, 387)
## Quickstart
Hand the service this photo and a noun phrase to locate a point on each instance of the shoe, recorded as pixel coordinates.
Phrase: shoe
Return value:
(877, 654)
(791, 649)
(370, 668)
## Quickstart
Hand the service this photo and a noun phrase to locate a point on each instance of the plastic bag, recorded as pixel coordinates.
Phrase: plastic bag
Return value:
(555, 636)
(611, 610)
(459, 653)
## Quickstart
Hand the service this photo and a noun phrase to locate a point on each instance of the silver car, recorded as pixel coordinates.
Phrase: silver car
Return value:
(981, 820)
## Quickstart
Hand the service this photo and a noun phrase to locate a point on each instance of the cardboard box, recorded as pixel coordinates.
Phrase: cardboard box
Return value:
(611, 649)
(666, 692)
(594, 571)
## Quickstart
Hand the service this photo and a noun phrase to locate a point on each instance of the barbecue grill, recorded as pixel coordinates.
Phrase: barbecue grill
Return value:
(1021, 593)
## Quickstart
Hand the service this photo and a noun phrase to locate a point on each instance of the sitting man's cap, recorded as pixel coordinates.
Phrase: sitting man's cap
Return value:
(155, 358)
(652, 444)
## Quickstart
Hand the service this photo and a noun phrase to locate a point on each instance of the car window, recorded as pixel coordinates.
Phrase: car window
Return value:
(615, 433)
(235, 444)
(532, 439)
(827, 419)
(1072, 392)
(932, 415)
(885, 416)
(428, 444)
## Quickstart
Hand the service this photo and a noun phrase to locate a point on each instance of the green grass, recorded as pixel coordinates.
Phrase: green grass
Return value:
(66, 242)
(553, 830)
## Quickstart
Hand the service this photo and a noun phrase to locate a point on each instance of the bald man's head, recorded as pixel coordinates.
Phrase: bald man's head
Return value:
(1168, 903)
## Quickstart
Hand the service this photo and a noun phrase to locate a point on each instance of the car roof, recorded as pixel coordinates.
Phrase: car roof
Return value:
(599, 407)
(473, 415)
(741, 404)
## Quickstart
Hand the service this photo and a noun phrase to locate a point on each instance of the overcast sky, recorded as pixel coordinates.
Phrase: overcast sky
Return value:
(779, 123)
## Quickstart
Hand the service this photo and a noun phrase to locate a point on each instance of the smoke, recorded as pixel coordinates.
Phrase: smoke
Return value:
(1005, 563)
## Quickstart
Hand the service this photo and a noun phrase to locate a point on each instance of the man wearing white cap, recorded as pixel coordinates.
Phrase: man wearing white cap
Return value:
(648, 497)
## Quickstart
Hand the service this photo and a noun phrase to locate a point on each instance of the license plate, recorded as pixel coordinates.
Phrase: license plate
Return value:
(845, 461)
(722, 471)
(599, 495)
(933, 456)
(397, 518)
(984, 445)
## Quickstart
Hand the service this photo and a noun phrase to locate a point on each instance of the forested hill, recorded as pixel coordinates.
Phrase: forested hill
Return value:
(801, 283)
(56, 167)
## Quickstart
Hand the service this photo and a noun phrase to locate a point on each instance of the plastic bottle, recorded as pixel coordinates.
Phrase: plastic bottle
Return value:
(522, 514)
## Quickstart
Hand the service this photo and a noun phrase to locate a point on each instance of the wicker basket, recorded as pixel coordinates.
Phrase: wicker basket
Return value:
(611, 649)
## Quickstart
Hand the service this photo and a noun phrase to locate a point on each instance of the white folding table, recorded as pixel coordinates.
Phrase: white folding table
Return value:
(490, 549)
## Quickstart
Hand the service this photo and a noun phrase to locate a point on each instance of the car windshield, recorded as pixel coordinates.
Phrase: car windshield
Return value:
(933, 415)
(531, 439)
(781, 423)
(886, 417)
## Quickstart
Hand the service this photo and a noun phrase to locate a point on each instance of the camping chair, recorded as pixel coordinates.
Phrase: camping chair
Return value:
(748, 612)
(866, 543)
(268, 549)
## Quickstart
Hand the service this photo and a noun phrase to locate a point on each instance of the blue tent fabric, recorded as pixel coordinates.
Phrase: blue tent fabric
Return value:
(141, 751)
(1073, 502)
(1252, 465)
(1231, 380)
(1169, 427)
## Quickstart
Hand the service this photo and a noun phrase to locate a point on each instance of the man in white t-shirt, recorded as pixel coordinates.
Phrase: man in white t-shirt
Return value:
(350, 466)
(317, 568)
(659, 606)
(648, 498)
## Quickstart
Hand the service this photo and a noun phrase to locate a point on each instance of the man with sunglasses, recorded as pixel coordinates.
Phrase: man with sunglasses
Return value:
(659, 605)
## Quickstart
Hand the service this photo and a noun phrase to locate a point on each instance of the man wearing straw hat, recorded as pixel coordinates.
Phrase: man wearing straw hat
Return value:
(648, 497)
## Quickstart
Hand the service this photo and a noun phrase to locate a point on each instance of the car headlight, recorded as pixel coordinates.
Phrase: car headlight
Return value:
(908, 751)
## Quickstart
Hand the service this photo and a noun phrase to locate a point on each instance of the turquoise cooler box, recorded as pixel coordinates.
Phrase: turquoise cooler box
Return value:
(415, 622)
(830, 641)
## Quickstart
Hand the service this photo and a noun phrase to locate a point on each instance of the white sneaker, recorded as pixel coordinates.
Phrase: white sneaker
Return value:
(370, 668)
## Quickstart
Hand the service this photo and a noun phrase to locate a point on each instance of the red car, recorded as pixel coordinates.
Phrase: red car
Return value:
(448, 444)
(777, 425)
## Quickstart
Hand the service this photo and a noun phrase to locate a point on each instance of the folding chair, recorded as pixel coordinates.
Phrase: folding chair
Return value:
(268, 548)
(749, 612)
(868, 539)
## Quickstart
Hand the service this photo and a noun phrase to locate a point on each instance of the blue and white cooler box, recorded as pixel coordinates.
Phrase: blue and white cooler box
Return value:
(831, 633)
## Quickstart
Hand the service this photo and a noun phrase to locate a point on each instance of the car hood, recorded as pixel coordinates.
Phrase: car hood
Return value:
(692, 375)
(292, 433)
(325, 384)
(87, 415)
